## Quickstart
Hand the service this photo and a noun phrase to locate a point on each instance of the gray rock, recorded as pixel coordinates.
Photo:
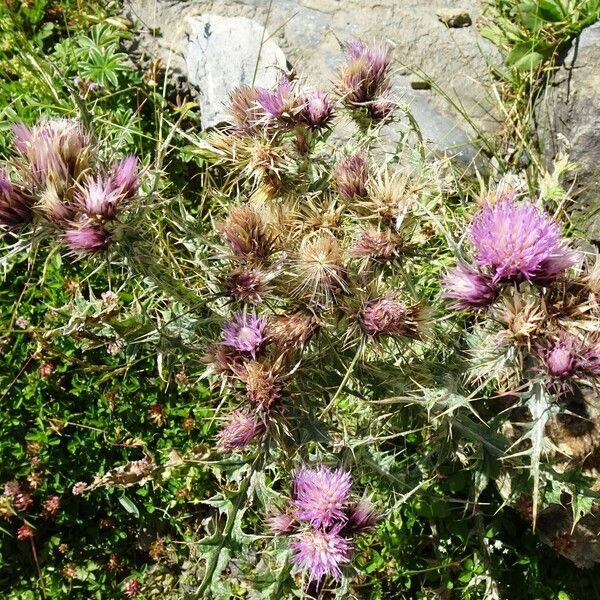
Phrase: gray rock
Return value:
(225, 52)
(570, 110)
(310, 31)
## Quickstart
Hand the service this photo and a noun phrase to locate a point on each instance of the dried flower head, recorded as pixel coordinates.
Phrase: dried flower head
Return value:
(262, 383)
(351, 177)
(317, 109)
(319, 267)
(15, 206)
(247, 233)
(518, 241)
(246, 333)
(87, 239)
(244, 109)
(377, 244)
(320, 553)
(321, 495)
(292, 331)
(223, 359)
(157, 414)
(388, 316)
(468, 288)
(69, 571)
(392, 194)
(241, 429)
(522, 318)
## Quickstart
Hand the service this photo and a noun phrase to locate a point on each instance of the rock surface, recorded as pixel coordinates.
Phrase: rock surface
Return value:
(309, 32)
(569, 111)
(224, 52)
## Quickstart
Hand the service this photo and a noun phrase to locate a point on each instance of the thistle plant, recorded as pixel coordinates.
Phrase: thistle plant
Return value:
(56, 186)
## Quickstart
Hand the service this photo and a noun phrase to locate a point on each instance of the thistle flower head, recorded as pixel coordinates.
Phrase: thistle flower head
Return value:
(320, 553)
(54, 204)
(246, 333)
(15, 206)
(223, 359)
(54, 149)
(351, 177)
(361, 517)
(321, 495)
(281, 523)
(377, 244)
(388, 316)
(568, 356)
(468, 288)
(517, 241)
(262, 384)
(244, 109)
(88, 239)
(292, 331)
(247, 233)
(317, 109)
(319, 266)
(240, 430)
(246, 285)
(99, 198)
(281, 103)
(382, 107)
(364, 77)
(124, 178)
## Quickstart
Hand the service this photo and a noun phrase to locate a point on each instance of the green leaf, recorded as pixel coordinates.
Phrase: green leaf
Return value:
(129, 506)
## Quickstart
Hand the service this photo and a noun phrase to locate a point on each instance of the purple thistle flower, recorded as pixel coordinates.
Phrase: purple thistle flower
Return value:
(88, 239)
(15, 208)
(320, 495)
(468, 288)
(364, 77)
(518, 241)
(320, 552)
(99, 198)
(125, 178)
(246, 333)
(568, 357)
(317, 109)
(282, 103)
(240, 430)
(351, 177)
(377, 56)
(281, 523)
(361, 517)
